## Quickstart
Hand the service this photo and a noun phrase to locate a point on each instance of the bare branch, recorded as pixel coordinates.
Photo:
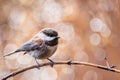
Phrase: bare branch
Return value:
(60, 63)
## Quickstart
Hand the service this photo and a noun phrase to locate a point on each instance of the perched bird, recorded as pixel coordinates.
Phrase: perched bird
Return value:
(41, 46)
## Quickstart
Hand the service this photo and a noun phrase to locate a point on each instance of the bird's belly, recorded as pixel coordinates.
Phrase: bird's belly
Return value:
(48, 52)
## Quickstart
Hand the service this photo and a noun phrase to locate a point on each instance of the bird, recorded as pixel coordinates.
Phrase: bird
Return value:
(41, 46)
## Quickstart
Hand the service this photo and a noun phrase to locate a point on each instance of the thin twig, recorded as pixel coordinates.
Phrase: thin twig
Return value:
(63, 62)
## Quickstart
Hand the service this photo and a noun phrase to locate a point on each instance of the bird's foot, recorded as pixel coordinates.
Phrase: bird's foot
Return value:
(51, 62)
(69, 62)
(38, 66)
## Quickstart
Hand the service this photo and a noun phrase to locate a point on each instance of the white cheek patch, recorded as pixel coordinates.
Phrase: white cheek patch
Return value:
(44, 37)
(48, 38)
(41, 35)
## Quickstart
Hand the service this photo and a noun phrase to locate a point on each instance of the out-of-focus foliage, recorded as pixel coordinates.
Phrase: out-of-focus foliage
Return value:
(89, 31)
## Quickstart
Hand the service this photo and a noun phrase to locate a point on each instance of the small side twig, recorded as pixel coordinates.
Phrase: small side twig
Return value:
(60, 63)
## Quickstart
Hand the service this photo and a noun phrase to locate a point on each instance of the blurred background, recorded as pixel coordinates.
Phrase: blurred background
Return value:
(89, 31)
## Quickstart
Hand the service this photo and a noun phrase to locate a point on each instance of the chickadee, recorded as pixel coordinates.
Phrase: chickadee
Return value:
(41, 46)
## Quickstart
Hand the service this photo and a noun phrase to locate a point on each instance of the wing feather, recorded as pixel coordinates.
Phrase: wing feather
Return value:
(28, 46)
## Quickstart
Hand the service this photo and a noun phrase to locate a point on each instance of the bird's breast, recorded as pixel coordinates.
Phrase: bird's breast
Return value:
(52, 50)
(44, 53)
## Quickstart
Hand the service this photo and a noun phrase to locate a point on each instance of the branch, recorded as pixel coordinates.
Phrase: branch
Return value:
(60, 63)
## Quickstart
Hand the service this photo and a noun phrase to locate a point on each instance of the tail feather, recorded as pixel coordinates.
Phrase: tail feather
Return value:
(11, 53)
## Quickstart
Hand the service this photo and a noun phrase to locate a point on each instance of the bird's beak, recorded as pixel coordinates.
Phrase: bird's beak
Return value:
(57, 37)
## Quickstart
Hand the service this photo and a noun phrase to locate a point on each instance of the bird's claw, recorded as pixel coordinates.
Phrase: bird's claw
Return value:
(51, 62)
(38, 66)
(69, 62)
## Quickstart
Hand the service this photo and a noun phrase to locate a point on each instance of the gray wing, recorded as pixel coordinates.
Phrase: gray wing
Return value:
(28, 46)
(41, 52)
(31, 45)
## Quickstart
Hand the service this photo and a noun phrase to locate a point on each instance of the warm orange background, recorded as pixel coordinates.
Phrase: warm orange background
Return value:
(89, 31)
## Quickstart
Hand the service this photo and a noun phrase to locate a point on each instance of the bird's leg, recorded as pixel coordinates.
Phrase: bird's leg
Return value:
(38, 65)
(51, 62)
